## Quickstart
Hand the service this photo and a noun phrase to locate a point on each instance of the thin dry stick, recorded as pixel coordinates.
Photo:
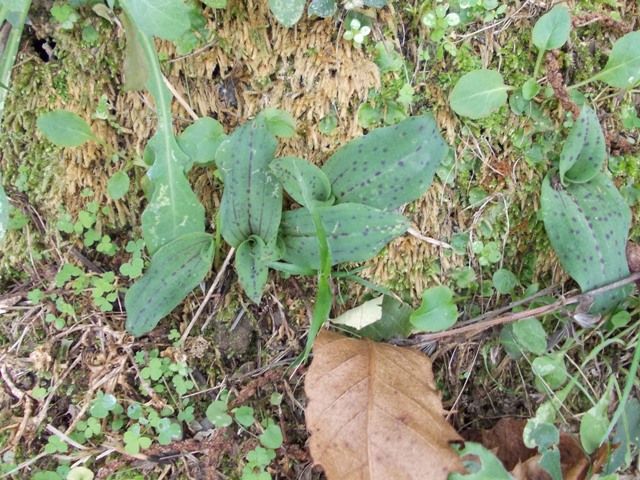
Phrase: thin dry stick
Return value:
(535, 312)
(181, 100)
(419, 236)
(212, 289)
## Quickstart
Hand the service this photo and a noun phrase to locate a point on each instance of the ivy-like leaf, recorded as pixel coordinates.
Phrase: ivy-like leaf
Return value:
(588, 224)
(251, 269)
(252, 200)
(175, 270)
(355, 233)
(584, 150)
(388, 166)
(297, 174)
(166, 19)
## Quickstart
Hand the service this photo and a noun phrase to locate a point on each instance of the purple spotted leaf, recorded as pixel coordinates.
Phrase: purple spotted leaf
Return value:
(588, 224)
(584, 150)
(252, 200)
(301, 178)
(175, 270)
(355, 233)
(250, 266)
(389, 166)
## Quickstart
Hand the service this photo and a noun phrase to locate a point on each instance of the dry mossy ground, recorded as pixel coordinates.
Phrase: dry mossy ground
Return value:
(253, 64)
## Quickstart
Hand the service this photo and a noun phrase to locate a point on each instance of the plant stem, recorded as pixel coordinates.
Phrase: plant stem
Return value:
(536, 69)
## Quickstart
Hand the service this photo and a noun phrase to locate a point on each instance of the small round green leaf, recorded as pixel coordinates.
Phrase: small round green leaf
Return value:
(118, 185)
(437, 312)
(552, 29)
(504, 281)
(530, 89)
(478, 94)
(64, 128)
(272, 437)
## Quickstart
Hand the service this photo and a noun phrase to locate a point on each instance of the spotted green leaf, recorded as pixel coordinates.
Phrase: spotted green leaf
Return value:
(175, 270)
(355, 233)
(297, 174)
(251, 269)
(584, 150)
(588, 224)
(252, 200)
(389, 166)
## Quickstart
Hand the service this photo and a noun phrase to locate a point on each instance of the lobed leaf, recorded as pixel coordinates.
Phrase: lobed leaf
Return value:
(251, 269)
(623, 67)
(588, 224)
(389, 166)
(296, 175)
(374, 412)
(552, 30)
(584, 150)
(175, 270)
(166, 19)
(355, 233)
(64, 128)
(287, 12)
(252, 200)
(478, 94)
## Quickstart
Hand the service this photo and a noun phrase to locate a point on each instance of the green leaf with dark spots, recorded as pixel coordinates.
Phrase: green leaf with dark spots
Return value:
(297, 174)
(355, 233)
(251, 269)
(588, 224)
(175, 270)
(252, 200)
(584, 150)
(389, 166)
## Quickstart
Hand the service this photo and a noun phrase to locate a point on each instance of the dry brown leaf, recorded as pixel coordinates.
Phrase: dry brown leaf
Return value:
(374, 413)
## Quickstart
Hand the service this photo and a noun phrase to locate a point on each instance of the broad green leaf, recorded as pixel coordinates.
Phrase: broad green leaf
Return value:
(530, 89)
(201, 140)
(287, 12)
(390, 319)
(271, 437)
(355, 233)
(166, 19)
(530, 334)
(623, 67)
(588, 224)
(251, 269)
(13, 5)
(550, 371)
(594, 424)
(478, 94)
(217, 414)
(389, 166)
(64, 128)
(175, 270)
(627, 434)
(550, 462)
(136, 68)
(244, 416)
(279, 122)
(297, 175)
(174, 208)
(584, 150)
(552, 30)
(322, 8)
(504, 281)
(252, 199)
(481, 462)
(118, 185)
(4, 212)
(437, 311)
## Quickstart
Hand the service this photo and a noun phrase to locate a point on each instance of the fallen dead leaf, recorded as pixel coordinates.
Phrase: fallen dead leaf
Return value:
(374, 413)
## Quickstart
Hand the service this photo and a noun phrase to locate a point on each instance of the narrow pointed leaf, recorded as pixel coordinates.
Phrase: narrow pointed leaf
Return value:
(252, 200)
(588, 224)
(64, 128)
(355, 233)
(623, 67)
(297, 174)
(252, 271)
(136, 68)
(374, 412)
(175, 270)
(584, 150)
(388, 166)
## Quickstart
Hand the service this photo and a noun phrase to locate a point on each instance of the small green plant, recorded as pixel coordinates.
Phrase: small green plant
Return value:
(357, 32)
(65, 16)
(289, 12)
